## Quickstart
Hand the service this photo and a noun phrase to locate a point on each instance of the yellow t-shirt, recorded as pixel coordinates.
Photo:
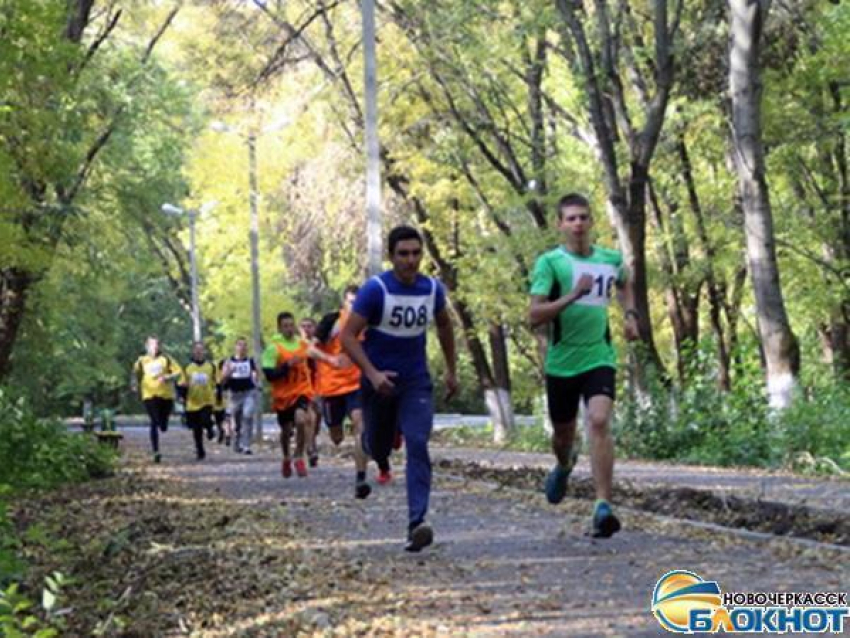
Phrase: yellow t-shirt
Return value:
(200, 380)
(150, 372)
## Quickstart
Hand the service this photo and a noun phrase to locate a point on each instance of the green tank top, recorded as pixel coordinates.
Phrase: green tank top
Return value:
(579, 338)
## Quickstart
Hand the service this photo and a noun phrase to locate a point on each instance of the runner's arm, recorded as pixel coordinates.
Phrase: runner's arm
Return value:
(446, 334)
(254, 374)
(277, 373)
(351, 344)
(136, 375)
(542, 311)
(271, 369)
(626, 297)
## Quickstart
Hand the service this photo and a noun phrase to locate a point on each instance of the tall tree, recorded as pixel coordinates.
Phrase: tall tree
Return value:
(601, 64)
(781, 350)
(58, 118)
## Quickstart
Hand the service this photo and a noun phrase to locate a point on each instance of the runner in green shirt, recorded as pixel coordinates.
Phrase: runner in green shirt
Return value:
(571, 289)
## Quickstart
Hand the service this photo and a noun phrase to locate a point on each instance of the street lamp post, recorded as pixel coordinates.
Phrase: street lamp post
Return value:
(253, 236)
(170, 209)
(253, 240)
(373, 169)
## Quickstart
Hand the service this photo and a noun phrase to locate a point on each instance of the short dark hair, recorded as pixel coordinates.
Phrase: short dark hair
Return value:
(572, 199)
(238, 339)
(284, 315)
(402, 233)
(351, 289)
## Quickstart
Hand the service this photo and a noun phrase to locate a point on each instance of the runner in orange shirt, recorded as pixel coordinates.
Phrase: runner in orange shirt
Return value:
(307, 328)
(285, 364)
(339, 386)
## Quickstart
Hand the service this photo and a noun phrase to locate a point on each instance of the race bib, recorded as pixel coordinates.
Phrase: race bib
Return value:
(604, 279)
(154, 368)
(240, 369)
(407, 315)
(200, 378)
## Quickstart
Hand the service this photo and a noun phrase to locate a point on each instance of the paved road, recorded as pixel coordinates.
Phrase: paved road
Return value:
(820, 492)
(441, 421)
(504, 563)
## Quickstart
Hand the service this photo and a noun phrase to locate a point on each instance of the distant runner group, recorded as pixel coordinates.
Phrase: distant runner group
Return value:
(366, 363)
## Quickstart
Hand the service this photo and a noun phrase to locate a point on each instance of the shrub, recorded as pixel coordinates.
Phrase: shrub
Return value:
(41, 453)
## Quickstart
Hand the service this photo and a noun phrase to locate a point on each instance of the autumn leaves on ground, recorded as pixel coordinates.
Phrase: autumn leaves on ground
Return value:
(228, 548)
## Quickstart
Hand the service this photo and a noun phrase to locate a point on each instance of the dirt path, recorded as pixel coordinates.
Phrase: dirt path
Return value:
(504, 562)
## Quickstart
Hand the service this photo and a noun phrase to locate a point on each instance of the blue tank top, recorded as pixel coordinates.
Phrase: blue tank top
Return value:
(398, 317)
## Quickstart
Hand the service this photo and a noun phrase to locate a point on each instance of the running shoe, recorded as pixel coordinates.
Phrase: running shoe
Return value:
(314, 459)
(385, 478)
(300, 468)
(157, 457)
(419, 538)
(247, 451)
(556, 484)
(604, 523)
(286, 468)
(201, 456)
(362, 489)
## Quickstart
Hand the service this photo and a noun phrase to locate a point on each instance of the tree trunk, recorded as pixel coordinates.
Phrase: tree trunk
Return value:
(835, 338)
(715, 295)
(682, 301)
(14, 286)
(499, 398)
(594, 62)
(782, 355)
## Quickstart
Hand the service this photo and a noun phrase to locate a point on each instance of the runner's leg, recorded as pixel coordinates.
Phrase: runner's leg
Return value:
(416, 417)
(563, 396)
(153, 416)
(380, 416)
(195, 421)
(284, 420)
(599, 410)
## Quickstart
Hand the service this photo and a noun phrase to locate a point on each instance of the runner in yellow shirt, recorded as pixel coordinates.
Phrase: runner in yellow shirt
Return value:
(154, 374)
(197, 389)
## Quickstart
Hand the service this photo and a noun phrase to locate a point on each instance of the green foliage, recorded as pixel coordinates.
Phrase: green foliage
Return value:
(41, 453)
(524, 438)
(19, 616)
(701, 424)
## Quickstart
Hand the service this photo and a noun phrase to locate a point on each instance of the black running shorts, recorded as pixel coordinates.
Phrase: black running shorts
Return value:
(564, 393)
(288, 415)
(335, 409)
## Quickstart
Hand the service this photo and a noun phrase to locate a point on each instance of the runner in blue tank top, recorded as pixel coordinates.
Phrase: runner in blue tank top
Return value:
(396, 308)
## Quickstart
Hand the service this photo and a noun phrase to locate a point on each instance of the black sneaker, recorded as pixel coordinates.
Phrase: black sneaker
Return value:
(604, 523)
(247, 451)
(314, 460)
(419, 538)
(157, 457)
(210, 434)
(362, 489)
(227, 441)
(201, 456)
